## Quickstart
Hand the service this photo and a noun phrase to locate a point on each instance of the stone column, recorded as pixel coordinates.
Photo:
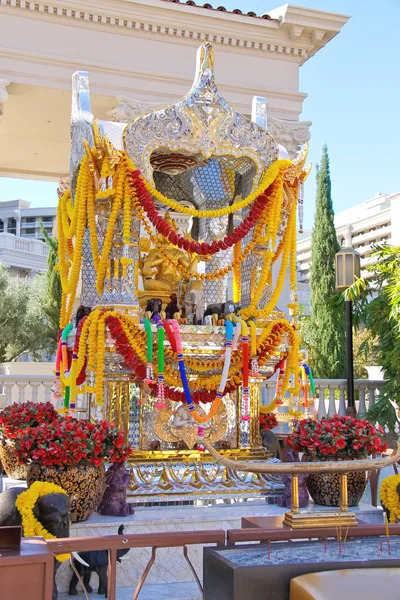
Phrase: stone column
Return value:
(18, 225)
(290, 134)
(3, 94)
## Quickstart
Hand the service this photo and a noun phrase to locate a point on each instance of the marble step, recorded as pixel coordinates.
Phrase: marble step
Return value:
(167, 591)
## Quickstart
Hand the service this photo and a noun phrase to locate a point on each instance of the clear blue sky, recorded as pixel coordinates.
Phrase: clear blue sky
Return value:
(353, 89)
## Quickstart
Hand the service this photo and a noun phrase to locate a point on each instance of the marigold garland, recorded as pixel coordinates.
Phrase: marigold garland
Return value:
(25, 503)
(268, 178)
(126, 191)
(240, 254)
(252, 310)
(390, 496)
(203, 249)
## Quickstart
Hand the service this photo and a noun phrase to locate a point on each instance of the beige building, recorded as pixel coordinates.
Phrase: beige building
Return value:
(22, 248)
(376, 221)
(139, 52)
(18, 218)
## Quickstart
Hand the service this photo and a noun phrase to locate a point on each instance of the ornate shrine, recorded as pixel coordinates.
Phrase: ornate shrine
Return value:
(172, 224)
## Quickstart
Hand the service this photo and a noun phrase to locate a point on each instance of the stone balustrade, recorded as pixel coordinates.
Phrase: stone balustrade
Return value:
(23, 253)
(331, 393)
(24, 388)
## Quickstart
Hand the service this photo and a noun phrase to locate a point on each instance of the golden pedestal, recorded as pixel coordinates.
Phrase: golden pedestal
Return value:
(318, 519)
(323, 518)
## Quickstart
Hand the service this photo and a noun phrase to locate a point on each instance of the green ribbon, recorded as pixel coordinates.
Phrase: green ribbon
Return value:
(160, 341)
(66, 397)
(66, 331)
(149, 337)
(312, 384)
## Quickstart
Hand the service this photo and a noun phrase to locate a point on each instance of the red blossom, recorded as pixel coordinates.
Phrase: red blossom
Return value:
(18, 417)
(351, 437)
(268, 421)
(71, 441)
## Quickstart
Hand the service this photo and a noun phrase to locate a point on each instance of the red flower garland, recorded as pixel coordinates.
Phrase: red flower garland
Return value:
(202, 249)
(82, 375)
(124, 348)
(139, 368)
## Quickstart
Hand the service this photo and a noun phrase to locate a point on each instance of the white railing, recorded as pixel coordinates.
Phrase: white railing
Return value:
(24, 388)
(31, 246)
(331, 393)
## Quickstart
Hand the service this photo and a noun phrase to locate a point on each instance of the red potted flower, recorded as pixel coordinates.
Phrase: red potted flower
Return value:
(338, 438)
(71, 453)
(14, 419)
(268, 421)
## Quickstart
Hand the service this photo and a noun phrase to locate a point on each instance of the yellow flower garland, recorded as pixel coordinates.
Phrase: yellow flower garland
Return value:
(25, 503)
(252, 310)
(108, 240)
(390, 496)
(238, 257)
(279, 166)
(73, 220)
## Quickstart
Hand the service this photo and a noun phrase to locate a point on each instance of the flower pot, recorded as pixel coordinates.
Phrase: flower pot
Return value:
(324, 488)
(84, 483)
(9, 460)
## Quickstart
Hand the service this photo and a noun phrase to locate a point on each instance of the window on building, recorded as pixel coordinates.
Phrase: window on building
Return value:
(12, 226)
(1, 226)
(30, 219)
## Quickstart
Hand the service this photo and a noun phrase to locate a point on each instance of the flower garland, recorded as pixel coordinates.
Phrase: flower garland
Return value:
(203, 249)
(251, 310)
(130, 342)
(70, 272)
(108, 239)
(390, 496)
(238, 258)
(126, 189)
(25, 503)
(222, 385)
(279, 166)
(236, 291)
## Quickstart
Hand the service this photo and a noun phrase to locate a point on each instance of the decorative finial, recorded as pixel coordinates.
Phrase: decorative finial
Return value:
(204, 68)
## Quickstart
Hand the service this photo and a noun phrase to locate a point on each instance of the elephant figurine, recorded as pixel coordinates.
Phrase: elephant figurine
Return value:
(222, 310)
(193, 304)
(154, 307)
(113, 503)
(172, 307)
(271, 443)
(52, 512)
(286, 498)
(98, 563)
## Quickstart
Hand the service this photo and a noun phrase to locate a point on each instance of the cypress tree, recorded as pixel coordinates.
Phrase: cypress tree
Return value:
(327, 326)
